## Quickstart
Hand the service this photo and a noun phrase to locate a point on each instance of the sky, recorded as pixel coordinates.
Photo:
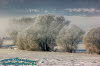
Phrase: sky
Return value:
(62, 7)
(83, 13)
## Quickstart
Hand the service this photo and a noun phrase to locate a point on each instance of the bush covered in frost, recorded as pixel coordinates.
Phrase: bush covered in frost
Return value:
(92, 41)
(68, 38)
(42, 33)
(18, 24)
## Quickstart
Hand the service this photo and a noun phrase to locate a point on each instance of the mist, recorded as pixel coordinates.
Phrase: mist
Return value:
(84, 22)
(4, 21)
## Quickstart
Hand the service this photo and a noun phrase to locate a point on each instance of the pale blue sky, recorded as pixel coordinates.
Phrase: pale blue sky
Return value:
(61, 7)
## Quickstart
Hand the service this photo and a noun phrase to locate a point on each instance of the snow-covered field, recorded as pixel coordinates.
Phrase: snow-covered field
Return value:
(53, 58)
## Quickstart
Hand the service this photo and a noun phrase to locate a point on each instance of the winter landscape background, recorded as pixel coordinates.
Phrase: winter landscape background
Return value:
(84, 14)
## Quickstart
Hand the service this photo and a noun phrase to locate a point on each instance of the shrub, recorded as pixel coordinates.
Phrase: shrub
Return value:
(43, 32)
(92, 41)
(26, 41)
(69, 37)
(16, 25)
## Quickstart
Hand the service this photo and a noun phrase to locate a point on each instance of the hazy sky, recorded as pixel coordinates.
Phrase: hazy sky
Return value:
(63, 7)
(84, 13)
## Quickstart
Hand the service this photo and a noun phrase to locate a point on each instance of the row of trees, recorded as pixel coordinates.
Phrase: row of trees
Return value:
(50, 33)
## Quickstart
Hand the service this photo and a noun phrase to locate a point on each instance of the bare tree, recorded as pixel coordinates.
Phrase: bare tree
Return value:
(68, 38)
(92, 40)
(43, 32)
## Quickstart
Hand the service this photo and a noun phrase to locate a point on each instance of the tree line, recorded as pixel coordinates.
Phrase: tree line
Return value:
(52, 33)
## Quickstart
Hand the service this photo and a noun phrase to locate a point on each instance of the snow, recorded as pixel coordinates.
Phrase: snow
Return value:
(53, 58)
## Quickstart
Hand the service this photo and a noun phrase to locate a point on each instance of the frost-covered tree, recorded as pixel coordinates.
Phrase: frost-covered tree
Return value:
(18, 24)
(68, 38)
(27, 41)
(92, 40)
(43, 32)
